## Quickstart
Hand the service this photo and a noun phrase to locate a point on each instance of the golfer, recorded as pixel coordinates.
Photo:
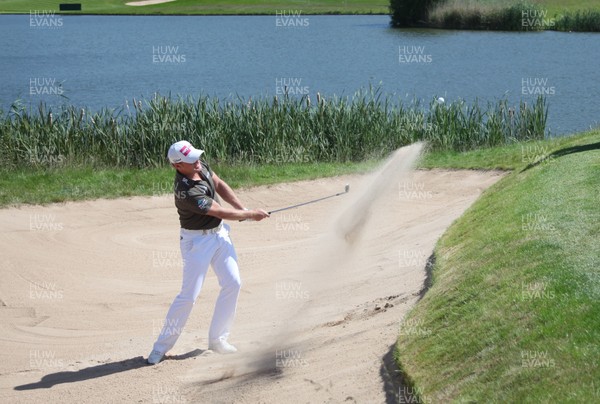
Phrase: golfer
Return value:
(204, 241)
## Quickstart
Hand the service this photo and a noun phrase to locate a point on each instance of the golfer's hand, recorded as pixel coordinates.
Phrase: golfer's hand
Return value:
(258, 214)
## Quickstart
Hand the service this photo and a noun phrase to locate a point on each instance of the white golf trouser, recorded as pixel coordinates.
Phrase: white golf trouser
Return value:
(198, 252)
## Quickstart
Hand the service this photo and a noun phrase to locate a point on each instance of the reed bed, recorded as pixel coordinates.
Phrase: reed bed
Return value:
(478, 15)
(585, 21)
(262, 131)
(514, 16)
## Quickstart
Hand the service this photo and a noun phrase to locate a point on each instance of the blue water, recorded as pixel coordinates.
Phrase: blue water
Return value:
(101, 61)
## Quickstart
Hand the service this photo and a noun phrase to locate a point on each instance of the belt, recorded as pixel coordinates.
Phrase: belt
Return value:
(214, 230)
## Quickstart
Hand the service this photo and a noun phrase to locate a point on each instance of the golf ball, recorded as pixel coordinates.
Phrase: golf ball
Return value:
(440, 100)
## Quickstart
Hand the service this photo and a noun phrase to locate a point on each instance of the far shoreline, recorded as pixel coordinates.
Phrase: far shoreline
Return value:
(195, 15)
(422, 25)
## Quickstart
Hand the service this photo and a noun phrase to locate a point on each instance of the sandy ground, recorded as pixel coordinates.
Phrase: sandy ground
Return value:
(85, 287)
(147, 2)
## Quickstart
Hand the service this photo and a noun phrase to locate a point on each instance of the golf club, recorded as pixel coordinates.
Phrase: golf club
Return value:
(346, 189)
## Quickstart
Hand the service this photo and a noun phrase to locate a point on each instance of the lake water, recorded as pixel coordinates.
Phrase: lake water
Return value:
(101, 61)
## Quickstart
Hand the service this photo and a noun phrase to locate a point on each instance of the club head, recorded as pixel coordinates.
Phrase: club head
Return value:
(347, 188)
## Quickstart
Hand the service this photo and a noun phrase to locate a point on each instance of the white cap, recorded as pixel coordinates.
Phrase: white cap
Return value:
(183, 152)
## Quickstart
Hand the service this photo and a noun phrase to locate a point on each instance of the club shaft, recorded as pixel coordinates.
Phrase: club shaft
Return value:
(306, 203)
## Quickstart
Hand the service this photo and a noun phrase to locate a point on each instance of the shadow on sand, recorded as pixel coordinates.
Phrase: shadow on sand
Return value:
(94, 372)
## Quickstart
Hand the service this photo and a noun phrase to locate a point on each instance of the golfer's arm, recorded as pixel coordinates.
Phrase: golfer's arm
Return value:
(225, 192)
(221, 212)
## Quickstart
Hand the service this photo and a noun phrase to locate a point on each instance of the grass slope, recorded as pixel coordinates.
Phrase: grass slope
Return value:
(205, 7)
(508, 157)
(513, 314)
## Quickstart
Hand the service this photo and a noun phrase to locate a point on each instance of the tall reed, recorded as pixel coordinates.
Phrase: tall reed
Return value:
(472, 14)
(515, 15)
(261, 131)
(585, 20)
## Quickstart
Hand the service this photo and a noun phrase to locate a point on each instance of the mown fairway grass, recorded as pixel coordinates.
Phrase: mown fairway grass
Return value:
(514, 312)
(206, 7)
(557, 7)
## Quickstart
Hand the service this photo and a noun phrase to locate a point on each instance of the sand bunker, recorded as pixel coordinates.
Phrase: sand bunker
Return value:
(85, 288)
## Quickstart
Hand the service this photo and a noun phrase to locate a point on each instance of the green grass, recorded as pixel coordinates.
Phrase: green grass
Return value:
(516, 276)
(35, 186)
(506, 157)
(206, 7)
(557, 7)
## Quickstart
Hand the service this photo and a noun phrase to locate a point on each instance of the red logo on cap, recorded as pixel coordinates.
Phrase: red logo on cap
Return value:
(185, 150)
